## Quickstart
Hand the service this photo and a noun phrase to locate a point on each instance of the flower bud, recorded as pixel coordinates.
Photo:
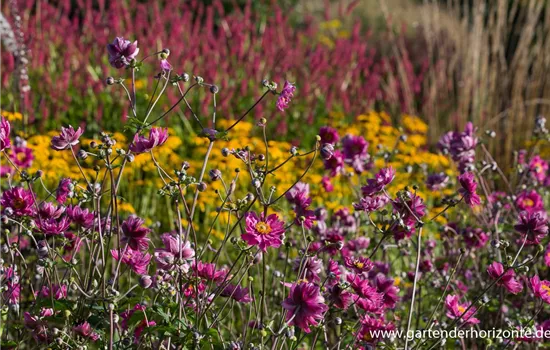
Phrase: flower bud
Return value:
(215, 174)
(82, 154)
(327, 151)
(225, 152)
(202, 187)
(145, 281)
(110, 81)
(214, 89)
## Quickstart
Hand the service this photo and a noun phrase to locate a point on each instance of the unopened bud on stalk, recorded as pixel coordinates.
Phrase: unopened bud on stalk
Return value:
(214, 89)
(110, 81)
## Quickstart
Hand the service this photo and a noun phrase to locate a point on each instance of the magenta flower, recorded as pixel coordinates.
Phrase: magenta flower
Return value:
(538, 168)
(12, 291)
(386, 286)
(534, 225)
(209, 272)
(54, 227)
(263, 232)
(355, 151)
(157, 137)
(285, 96)
(305, 306)
(468, 189)
(66, 139)
(134, 233)
(136, 260)
(359, 265)
(49, 210)
(299, 195)
(5, 129)
(541, 289)
(367, 296)
(21, 156)
(329, 135)
(456, 309)
(85, 330)
(19, 200)
(59, 291)
(383, 178)
(371, 330)
(81, 217)
(414, 208)
(165, 65)
(508, 280)
(436, 182)
(371, 204)
(237, 293)
(339, 297)
(64, 190)
(173, 248)
(327, 185)
(529, 201)
(311, 267)
(335, 163)
(121, 52)
(475, 237)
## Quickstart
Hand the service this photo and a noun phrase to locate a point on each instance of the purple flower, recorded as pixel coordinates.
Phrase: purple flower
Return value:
(371, 204)
(136, 260)
(367, 297)
(21, 201)
(534, 225)
(79, 216)
(339, 297)
(4, 134)
(263, 232)
(157, 137)
(383, 178)
(165, 65)
(64, 190)
(121, 52)
(10, 280)
(461, 146)
(329, 135)
(68, 138)
(436, 182)
(237, 293)
(475, 237)
(299, 195)
(286, 95)
(386, 286)
(311, 267)
(355, 150)
(305, 306)
(468, 189)
(173, 247)
(411, 208)
(134, 233)
(335, 163)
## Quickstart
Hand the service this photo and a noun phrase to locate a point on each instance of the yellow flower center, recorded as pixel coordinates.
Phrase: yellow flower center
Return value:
(546, 288)
(263, 228)
(359, 264)
(527, 202)
(461, 309)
